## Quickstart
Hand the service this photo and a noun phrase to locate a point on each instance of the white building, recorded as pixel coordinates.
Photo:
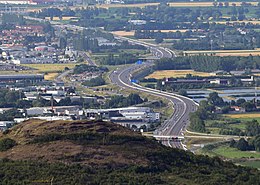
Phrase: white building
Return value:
(15, 2)
(137, 22)
(36, 111)
(5, 124)
(126, 114)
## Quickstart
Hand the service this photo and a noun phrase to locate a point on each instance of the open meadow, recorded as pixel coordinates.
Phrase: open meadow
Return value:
(232, 153)
(42, 68)
(253, 163)
(50, 76)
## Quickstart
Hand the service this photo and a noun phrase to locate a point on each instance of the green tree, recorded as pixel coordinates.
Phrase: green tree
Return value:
(182, 92)
(214, 99)
(242, 144)
(196, 123)
(6, 144)
(252, 128)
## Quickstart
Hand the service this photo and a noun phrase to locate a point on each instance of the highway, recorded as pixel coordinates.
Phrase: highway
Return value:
(183, 106)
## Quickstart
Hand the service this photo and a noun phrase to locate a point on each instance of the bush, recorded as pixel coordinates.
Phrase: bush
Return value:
(6, 144)
(98, 81)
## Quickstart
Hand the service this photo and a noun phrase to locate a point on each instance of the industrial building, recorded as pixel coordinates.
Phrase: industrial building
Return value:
(28, 78)
(20, 2)
(137, 116)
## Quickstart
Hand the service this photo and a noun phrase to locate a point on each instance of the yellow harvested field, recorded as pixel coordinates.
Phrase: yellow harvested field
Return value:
(176, 73)
(124, 33)
(63, 18)
(174, 4)
(245, 115)
(226, 52)
(50, 76)
(50, 67)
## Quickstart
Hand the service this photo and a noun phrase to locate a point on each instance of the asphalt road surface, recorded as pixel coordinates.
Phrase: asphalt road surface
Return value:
(183, 106)
(175, 125)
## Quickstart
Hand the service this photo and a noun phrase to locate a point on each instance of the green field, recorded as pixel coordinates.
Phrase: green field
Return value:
(254, 164)
(233, 153)
(231, 121)
(249, 119)
(241, 126)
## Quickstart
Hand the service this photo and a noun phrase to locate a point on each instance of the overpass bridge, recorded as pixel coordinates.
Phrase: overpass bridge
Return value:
(167, 138)
(203, 136)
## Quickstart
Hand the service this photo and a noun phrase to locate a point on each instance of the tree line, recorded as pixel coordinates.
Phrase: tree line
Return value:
(122, 58)
(207, 63)
(121, 101)
(81, 68)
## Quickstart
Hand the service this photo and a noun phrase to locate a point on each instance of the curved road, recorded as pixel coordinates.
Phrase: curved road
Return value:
(183, 106)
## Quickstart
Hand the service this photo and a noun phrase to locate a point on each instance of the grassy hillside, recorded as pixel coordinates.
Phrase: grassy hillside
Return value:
(83, 152)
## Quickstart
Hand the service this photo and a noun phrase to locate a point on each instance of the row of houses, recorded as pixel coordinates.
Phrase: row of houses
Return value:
(17, 35)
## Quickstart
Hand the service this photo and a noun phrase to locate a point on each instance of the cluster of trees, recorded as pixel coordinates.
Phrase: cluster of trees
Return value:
(218, 38)
(67, 102)
(249, 106)
(98, 81)
(224, 39)
(252, 128)
(49, 12)
(6, 27)
(204, 112)
(231, 131)
(10, 98)
(165, 16)
(9, 115)
(215, 36)
(123, 58)
(83, 43)
(209, 63)
(244, 145)
(88, 68)
(41, 102)
(12, 19)
(121, 101)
